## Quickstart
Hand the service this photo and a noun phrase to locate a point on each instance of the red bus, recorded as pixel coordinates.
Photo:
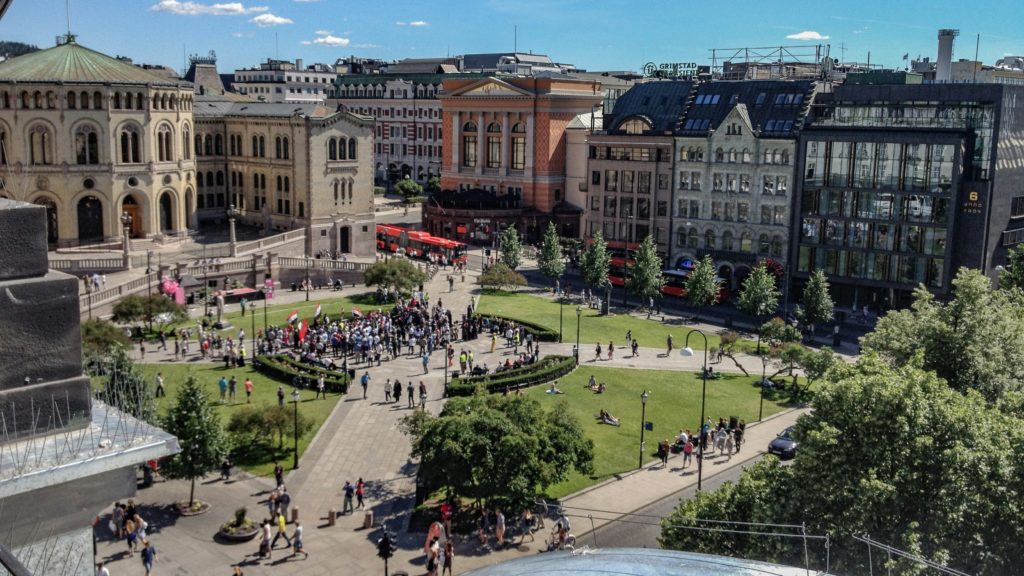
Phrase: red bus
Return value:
(675, 285)
(418, 244)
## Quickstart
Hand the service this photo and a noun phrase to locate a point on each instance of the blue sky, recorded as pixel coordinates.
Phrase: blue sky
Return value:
(593, 34)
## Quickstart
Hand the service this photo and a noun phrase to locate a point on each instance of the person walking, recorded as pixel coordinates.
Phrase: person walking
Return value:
(423, 395)
(611, 349)
(297, 541)
(426, 363)
(101, 569)
(278, 474)
(160, 385)
(280, 395)
(687, 452)
(282, 527)
(148, 556)
(321, 387)
(597, 352)
(449, 553)
(248, 390)
(387, 391)
(365, 381)
(398, 391)
(349, 491)
(669, 343)
(636, 349)
(499, 527)
(409, 393)
(232, 388)
(360, 505)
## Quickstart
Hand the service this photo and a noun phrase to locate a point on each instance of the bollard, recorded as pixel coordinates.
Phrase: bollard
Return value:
(368, 520)
(295, 514)
(332, 514)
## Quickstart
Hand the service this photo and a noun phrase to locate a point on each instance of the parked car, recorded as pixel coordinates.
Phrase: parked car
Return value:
(784, 445)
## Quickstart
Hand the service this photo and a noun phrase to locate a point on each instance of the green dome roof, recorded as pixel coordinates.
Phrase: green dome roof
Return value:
(73, 63)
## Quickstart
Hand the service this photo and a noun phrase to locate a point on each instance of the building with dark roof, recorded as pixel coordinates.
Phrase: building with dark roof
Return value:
(92, 138)
(285, 81)
(900, 185)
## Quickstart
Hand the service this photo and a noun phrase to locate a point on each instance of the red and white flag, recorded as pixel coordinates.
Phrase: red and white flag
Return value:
(318, 311)
(293, 317)
(302, 331)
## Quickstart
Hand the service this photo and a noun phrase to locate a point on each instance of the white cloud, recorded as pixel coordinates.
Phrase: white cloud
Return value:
(325, 38)
(807, 35)
(268, 19)
(413, 23)
(189, 8)
(364, 46)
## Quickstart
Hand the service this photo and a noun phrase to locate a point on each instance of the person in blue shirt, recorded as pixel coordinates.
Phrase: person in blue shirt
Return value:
(223, 385)
(148, 556)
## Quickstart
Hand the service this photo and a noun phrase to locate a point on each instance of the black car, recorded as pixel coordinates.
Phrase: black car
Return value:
(784, 445)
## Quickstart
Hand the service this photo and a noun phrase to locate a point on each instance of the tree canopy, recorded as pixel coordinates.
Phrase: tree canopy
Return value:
(499, 449)
(511, 249)
(644, 277)
(408, 187)
(1013, 275)
(434, 184)
(816, 301)
(550, 259)
(891, 451)
(125, 387)
(502, 277)
(100, 337)
(759, 296)
(595, 262)
(196, 425)
(395, 274)
(702, 285)
(147, 308)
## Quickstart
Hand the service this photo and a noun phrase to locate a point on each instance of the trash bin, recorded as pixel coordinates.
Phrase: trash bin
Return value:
(295, 287)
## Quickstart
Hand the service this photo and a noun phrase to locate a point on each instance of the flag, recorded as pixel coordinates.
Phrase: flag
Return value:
(356, 313)
(907, 55)
(302, 331)
(318, 311)
(293, 317)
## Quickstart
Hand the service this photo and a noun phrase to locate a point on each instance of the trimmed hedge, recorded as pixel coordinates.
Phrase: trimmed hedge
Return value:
(545, 370)
(284, 368)
(540, 333)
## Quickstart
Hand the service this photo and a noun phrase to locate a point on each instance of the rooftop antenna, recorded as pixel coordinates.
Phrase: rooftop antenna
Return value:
(277, 52)
(515, 38)
(67, 15)
(842, 52)
(977, 45)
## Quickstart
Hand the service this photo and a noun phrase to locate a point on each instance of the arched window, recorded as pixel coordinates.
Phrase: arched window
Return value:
(287, 184)
(164, 138)
(746, 241)
(719, 155)
(700, 154)
(727, 241)
(709, 239)
(280, 183)
(220, 178)
(469, 143)
(72, 101)
(138, 102)
(732, 155)
(256, 181)
(26, 102)
(263, 147)
(332, 149)
(3, 149)
(746, 156)
(342, 149)
(767, 156)
(776, 156)
(286, 146)
(51, 101)
(97, 101)
(335, 192)
(186, 144)
(37, 100)
(693, 238)
(635, 126)
(128, 102)
(518, 146)
(763, 246)
(494, 145)
(208, 145)
(199, 144)
(40, 145)
(785, 156)
(278, 148)
(351, 149)
(218, 145)
(87, 145)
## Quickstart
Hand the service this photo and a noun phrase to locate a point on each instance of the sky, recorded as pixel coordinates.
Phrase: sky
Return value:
(592, 34)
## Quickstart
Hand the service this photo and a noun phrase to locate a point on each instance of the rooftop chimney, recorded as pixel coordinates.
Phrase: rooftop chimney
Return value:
(942, 65)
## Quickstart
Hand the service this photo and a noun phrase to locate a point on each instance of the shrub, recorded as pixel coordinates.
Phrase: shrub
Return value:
(545, 370)
(540, 333)
(284, 368)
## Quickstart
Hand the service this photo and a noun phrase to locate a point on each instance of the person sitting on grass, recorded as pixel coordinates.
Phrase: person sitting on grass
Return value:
(554, 388)
(593, 386)
(607, 418)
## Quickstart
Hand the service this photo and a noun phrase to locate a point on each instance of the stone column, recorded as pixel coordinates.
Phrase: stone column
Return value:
(506, 160)
(481, 144)
(457, 140)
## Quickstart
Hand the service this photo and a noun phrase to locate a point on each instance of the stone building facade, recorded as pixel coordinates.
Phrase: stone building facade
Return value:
(91, 137)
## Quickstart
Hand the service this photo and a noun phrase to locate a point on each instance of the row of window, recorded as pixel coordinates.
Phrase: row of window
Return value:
(885, 165)
(84, 100)
(914, 239)
(492, 152)
(418, 112)
(213, 145)
(730, 212)
(87, 145)
(393, 131)
(409, 149)
(766, 245)
(428, 91)
(873, 266)
(643, 207)
(341, 148)
(628, 181)
(626, 153)
(873, 205)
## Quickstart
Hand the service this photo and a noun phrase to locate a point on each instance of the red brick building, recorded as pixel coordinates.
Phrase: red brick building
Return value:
(504, 157)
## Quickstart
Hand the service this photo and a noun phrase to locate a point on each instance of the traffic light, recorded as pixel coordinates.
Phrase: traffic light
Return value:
(487, 251)
(386, 545)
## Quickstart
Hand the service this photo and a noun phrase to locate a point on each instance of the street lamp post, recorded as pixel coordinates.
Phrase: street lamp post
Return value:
(579, 316)
(447, 351)
(643, 421)
(206, 285)
(561, 301)
(265, 294)
(687, 351)
(309, 262)
(764, 369)
(126, 224)
(232, 213)
(295, 422)
(149, 271)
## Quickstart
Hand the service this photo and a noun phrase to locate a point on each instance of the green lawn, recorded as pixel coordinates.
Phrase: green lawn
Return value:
(264, 393)
(674, 404)
(594, 327)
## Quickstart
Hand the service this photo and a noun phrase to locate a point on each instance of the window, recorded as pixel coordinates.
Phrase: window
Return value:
(780, 185)
(717, 182)
(746, 242)
(351, 149)
(332, 149)
(165, 152)
(1017, 207)
(709, 239)
(779, 215)
(628, 178)
(763, 245)
(744, 183)
(469, 144)
(730, 212)
(742, 212)
(719, 155)
(218, 145)
(695, 209)
(493, 145)
(694, 180)
(595, 177)
(611, 180)
(727, 240)
(610, 206)
(635, 126)
(130, 145)
(663, 181)
(769, 185)
(86, 145)
(519, 147)
(186, 144)
(766, 215)
(692, 238)
(716, 210)
(643, 183)
(662, 210)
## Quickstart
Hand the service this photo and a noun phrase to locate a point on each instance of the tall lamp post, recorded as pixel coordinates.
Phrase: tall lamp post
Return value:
(561, 301)
(149, 271)
(447, 351)
(295, 422)
(309, 262)
(764, 369)
(232, 213)
(643, 422)
(126, 225)
(579, 316)
(687, 351)
(265, 294)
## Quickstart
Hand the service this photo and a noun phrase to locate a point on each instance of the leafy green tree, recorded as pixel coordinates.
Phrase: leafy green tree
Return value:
(395, 274)
(972, 340)
(502, 277)
(408, 188)
(101, 337)
(124, 387)
(196, 425)
(644, 277)
(434, 184)
(147, 308)
(702, 285)
(500, 449)
(890, 451)
(595, 262)
(1013, 275)
(511, 249)
(777, 332)
(550, 260)
(817, 302)
(281, 421)
(759, 296)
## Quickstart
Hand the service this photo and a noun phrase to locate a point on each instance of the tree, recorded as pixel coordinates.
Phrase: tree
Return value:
(397, 274)
(890, 451)
(409, 188)
(777, 332)
(550, 260)
(1013, 275)
(196, 425)
(702, 285)
(147, 308)
(511, 249)
(502, 277)
(434, 184)
(817, 302)
(124, 387)
(644, 277)
(759, 295)
(500, 449)
(595, 262)
(101, 337)
(972, 340)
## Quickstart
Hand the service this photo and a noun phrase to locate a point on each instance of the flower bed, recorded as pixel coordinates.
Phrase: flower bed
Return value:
(540, 333)
(195, 509)
(545, 370)
(240, 529)
(285, 368)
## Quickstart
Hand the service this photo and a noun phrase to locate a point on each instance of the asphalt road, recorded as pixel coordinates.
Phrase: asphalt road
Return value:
(641, 530)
